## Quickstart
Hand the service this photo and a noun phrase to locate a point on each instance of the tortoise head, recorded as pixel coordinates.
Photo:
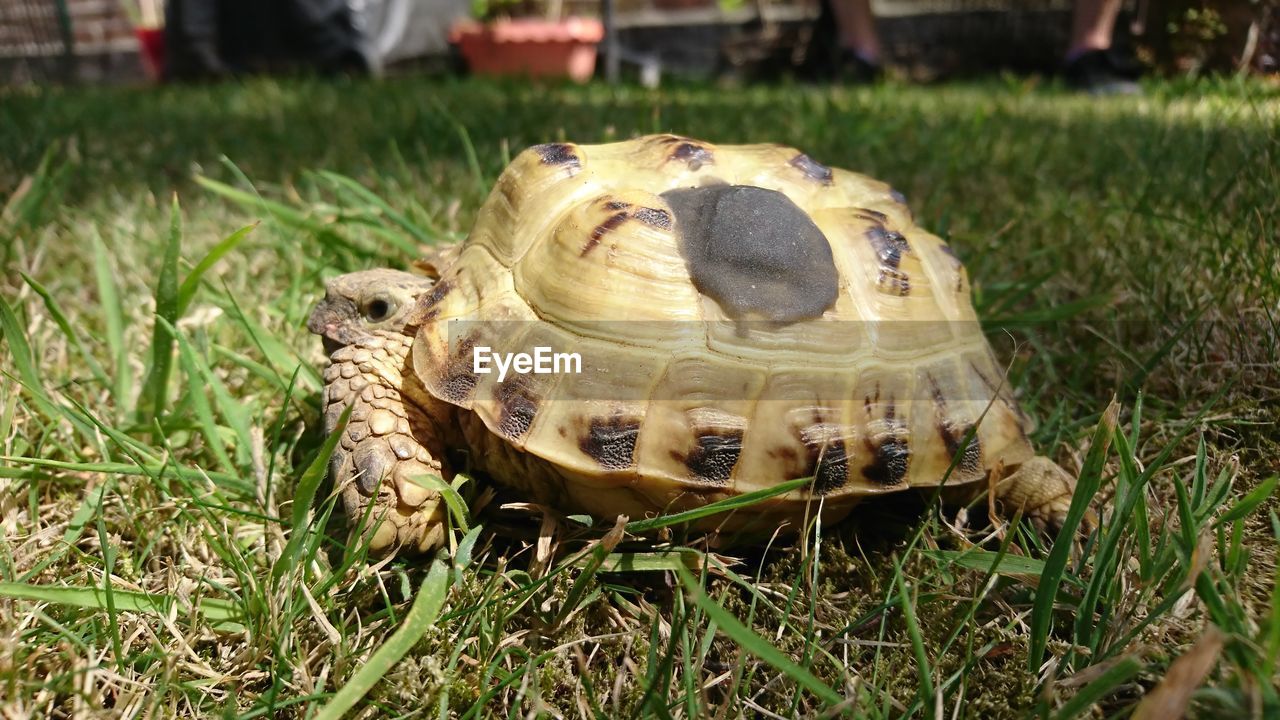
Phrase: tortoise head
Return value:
(359, 304)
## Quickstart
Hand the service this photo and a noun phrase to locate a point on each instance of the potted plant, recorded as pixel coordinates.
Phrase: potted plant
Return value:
(517, 37)
(147, 18)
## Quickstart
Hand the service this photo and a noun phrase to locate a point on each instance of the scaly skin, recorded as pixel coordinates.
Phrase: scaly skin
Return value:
(1041, 490)
(393, 435)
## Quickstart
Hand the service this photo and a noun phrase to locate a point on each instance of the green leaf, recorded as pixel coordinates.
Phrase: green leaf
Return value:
(658, 561)
(14, 334)
(420, 618)
(1119, 673)
(385, 209)
(924, 669)
(75, 527)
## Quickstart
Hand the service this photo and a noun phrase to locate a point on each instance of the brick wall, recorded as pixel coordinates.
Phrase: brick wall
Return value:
(29, 28)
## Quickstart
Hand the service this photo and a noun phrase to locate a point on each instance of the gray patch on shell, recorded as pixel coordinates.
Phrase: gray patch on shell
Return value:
(754, 252)
(459, 380)
(897, 196)
(691, 152)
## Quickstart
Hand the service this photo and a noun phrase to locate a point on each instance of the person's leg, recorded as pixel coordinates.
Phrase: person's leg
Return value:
(859, 59)
(1092, 25)
(856, 28)
(1089, 63)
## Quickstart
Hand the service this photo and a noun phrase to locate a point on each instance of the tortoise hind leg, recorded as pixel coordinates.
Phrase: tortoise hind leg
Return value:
(1039, 488)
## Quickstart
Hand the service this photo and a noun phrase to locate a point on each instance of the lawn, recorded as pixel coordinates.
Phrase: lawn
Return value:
(169, 547)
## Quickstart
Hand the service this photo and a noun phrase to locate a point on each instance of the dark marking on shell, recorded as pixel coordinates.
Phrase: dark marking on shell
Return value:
(953, 437)
(812, 169)
(427, 304)
(653, 217)
(558, 154)
(693, 155)
(890, 246)
(690, 152)
(715, 456)
(897, 196)
(616, 205)
(460, 379)
(991, 385)
(518, 407)
(754, 252)
(611, 441)
(601, 230)
(831, 466)
(971, 460)
(872, 216)
(889, 466)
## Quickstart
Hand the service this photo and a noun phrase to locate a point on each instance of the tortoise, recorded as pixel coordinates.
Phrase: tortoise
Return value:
(742, 315)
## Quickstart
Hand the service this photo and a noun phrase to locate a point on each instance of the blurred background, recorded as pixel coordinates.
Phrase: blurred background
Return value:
(131, 41)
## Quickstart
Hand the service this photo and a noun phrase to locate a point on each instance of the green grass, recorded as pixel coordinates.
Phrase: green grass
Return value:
(169, 547)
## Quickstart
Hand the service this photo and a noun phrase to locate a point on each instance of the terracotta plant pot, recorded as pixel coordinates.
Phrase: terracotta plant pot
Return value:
(151, 48)
(537, 48)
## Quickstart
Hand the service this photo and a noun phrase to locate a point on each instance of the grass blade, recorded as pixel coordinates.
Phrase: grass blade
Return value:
(1117, 674)
(420, 618)
(637, 527)
(219, 612)
(748, 640)
(1056, 564)
(155, 389)
(191, 283)
(457, 506)
(303, 499)
(60, 319)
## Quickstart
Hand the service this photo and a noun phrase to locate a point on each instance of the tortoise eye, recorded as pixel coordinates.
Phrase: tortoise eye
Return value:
(378, 309)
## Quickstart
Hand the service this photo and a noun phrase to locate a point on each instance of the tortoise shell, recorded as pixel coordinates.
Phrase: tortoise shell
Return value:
(744, 315)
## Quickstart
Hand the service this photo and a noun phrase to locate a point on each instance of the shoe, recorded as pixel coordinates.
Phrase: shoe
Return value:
(853, 69)
(1101, 72)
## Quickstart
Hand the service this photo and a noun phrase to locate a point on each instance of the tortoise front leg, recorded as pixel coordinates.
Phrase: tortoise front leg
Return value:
(387, 444)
